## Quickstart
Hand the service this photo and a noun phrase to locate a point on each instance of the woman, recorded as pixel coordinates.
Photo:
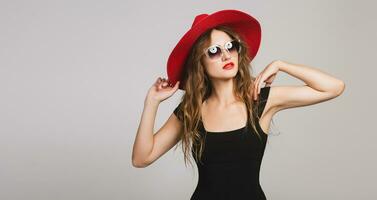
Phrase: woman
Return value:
(224, 116)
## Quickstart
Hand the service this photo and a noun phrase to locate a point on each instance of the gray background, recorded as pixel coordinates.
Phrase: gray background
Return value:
(74, 75)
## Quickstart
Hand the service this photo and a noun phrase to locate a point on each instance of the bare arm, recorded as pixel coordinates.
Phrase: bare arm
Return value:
(148, 146)
(319, 86)
(143, 144)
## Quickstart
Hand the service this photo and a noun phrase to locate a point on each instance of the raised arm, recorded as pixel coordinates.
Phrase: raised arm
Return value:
(149, 146)
(318, 87)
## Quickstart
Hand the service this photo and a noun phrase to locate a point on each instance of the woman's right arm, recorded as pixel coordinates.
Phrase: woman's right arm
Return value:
(148, 146)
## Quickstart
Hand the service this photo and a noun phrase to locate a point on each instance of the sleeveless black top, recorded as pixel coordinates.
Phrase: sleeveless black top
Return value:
(231, 161)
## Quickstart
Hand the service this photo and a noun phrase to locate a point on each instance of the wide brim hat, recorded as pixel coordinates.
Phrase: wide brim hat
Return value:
(242, 23)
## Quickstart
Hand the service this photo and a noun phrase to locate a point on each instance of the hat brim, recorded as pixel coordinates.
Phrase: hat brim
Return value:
(245, 25)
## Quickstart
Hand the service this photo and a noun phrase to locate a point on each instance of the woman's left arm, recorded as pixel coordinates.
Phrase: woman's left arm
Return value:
(319, 86)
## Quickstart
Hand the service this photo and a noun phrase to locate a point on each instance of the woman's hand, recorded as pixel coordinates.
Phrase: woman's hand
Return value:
(161, 90)
(267, 75)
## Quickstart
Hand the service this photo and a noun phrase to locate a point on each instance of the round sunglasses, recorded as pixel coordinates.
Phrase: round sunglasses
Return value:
(216, 51)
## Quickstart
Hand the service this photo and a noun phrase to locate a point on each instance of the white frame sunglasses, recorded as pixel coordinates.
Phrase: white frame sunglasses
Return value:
(213, 49)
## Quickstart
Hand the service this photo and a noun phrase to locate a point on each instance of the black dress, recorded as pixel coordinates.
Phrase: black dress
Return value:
(231, 162)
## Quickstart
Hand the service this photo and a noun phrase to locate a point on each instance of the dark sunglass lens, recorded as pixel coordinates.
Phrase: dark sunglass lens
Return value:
(214, 52)
(234, 46)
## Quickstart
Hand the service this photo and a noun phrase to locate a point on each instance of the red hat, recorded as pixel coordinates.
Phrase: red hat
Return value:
(245, 25)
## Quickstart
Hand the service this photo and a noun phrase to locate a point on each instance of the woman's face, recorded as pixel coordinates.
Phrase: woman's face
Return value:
(215, 66)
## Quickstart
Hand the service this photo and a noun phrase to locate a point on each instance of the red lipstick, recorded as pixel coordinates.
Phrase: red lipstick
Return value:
(228, 65)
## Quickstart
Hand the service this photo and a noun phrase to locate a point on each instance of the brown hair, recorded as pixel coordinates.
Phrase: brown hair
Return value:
(198, 88)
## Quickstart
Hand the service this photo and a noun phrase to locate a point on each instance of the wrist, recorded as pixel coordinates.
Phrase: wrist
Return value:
(151, 101)
(281, 65)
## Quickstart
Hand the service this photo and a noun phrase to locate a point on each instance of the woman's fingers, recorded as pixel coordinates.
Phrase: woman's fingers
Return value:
(160, 83)
(158, 78)
(260, 86)
(176, 86)
(256, 84)
(163, 83)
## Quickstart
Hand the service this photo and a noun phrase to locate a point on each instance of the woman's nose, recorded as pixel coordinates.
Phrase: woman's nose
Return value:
(226, 55)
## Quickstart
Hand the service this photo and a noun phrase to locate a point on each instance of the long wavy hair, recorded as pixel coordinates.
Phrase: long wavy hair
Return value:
(198, 88)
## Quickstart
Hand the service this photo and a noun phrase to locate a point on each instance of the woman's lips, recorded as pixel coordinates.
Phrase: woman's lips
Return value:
(229, 66)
